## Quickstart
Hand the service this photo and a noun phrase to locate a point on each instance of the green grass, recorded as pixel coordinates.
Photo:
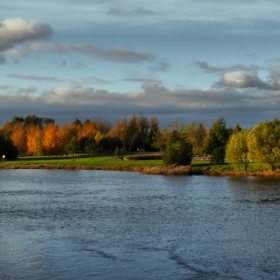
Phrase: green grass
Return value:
(80, 160)
(101, 162)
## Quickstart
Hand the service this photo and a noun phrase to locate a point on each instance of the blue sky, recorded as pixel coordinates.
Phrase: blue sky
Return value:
(181, 59)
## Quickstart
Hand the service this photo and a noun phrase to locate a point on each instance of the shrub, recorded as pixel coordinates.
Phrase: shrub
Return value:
(218, 155)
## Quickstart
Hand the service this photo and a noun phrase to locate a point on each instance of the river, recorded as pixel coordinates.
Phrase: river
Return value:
(70, 224)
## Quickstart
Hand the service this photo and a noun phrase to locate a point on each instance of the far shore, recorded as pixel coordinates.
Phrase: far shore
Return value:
(147, 167)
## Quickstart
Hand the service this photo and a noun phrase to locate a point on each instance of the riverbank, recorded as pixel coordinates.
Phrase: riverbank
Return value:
(147, 167)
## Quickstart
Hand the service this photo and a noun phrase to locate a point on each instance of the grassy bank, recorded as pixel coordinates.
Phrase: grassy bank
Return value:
(156, 167)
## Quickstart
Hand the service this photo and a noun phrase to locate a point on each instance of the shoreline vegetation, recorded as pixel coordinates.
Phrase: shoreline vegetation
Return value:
(153, 167)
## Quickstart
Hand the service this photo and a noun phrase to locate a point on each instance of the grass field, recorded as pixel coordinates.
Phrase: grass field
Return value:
(80, 160)
(147, 166)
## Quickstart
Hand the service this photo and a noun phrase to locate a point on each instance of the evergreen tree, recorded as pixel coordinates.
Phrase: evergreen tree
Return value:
(216, 140)
(73, 146)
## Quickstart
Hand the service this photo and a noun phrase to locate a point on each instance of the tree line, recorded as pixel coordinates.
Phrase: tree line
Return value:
(178, 142)
(34, 135)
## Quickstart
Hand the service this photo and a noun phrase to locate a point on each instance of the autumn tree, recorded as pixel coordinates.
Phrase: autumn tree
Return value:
(64, 135)
(18, 137)
(7, 130)
(196, 134)
(34, 136)
(51, 141)
(264, 143)
(237, 151)
(87, 130)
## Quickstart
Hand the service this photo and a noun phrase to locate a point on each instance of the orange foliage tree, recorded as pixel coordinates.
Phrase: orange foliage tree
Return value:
(87, 130)
(51, 141)
(18, 136)
(34, 135)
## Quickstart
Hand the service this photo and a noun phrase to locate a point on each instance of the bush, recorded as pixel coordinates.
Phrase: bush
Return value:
(178, 150)
(218, 155)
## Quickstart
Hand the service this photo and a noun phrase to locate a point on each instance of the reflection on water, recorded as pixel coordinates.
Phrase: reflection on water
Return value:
(67, 224)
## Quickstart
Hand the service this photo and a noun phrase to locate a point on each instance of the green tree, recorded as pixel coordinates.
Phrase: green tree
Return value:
(264, 143)
(216, 140)
(130, 131)
(73, 146)
(91, 147)
(178, 150)
(162, 136)
(136, 142)
(236, 129)
(237, 151)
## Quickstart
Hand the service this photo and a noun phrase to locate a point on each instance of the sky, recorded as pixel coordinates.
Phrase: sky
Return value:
(184, 60)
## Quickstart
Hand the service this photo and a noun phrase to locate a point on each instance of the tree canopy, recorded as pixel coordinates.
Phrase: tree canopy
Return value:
(216, 140)
(237, 151)
(264, 143)
(178, 150)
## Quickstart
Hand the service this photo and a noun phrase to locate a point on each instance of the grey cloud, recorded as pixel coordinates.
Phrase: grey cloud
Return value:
(142, 80)
(115, 54)
(144, 12)
(30, 48)
(2, 59)
(153, 99)
(5, 87)
(209, 69)
(26, 91)
(62, 64)
(90, 80)
(163, 66)
(80, 65)
(40, 78)
(120, 55)
(17, 30)
(118, 11)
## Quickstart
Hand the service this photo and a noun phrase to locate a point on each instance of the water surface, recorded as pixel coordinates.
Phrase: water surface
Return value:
(69, 224)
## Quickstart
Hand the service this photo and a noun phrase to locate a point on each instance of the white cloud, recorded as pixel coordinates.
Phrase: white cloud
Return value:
(16, 30)
(240, 79)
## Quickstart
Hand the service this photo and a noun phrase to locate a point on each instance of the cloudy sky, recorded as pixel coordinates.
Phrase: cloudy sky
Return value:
(181, 59)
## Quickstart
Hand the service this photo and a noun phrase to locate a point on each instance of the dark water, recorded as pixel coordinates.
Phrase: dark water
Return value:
(59, 224)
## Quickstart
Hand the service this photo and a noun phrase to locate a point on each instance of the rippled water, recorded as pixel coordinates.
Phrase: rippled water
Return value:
(66, 224)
